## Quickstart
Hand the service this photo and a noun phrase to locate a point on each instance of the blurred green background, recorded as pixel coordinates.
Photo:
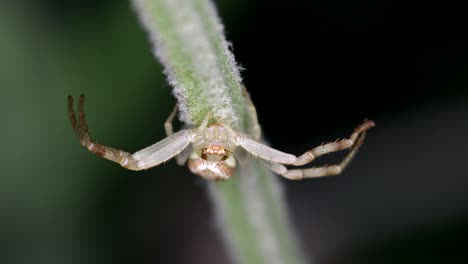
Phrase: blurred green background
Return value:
(314, 71)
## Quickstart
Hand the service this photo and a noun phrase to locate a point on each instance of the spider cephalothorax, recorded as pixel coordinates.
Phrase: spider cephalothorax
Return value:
(210, 149)
(212, 157)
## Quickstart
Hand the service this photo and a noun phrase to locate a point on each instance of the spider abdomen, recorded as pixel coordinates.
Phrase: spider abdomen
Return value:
(212, 170)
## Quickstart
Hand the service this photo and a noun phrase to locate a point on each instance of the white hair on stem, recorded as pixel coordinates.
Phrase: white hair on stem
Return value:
(199, 57)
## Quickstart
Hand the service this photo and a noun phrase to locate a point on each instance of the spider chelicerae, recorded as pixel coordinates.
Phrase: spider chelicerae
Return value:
(210, 149)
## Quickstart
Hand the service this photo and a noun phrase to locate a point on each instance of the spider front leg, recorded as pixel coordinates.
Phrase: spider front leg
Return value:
(274, 158)
(143, 159)
(299, 174)
(314, 153)
(80, 128)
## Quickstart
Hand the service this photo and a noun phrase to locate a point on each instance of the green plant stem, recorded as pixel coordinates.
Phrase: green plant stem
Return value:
(189, 41)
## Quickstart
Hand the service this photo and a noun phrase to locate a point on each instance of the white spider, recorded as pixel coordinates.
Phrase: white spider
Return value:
(212, 154)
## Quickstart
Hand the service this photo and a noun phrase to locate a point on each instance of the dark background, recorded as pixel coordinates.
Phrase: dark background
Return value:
(314, 69)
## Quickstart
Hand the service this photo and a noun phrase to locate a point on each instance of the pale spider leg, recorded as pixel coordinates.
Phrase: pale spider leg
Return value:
(183, 156)
(80, 128)
(164, 149)
(298, 174)
(143, 159)
(241, 155)
(275, 167)
(168, 124)
(169, 128)
(263, 151)
(273, 155)
(150, 150)
(257, 130)
(312, 154)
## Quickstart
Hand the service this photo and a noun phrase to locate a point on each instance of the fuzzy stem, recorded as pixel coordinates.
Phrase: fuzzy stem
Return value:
(188, 39)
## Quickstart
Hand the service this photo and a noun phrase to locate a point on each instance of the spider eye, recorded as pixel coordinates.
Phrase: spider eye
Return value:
(214, 153)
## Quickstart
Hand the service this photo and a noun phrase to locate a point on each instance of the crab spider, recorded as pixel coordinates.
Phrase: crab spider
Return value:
(211, 149)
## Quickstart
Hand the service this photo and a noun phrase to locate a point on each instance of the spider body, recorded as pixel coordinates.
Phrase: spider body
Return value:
(210, 150)
(212, 156)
